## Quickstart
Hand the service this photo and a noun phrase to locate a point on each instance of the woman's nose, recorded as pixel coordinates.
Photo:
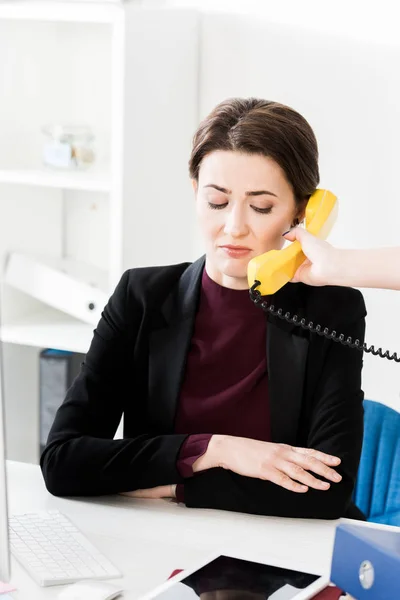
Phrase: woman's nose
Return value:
(235, 224)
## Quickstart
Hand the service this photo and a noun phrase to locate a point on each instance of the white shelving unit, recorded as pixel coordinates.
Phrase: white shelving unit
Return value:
(131, 74)
(94, 181)
(49, 329)
(147, 119)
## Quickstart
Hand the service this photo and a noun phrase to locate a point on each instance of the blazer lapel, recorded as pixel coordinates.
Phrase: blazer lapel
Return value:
(286, 363)
(169, 345)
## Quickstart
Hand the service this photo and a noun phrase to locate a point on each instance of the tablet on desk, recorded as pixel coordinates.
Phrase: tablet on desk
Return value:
(228, 578)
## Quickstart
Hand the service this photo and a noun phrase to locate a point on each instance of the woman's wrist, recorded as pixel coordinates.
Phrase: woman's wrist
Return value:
(213, 456)
(340, 272)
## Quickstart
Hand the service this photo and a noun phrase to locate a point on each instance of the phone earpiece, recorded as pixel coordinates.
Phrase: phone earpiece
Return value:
(275, 268)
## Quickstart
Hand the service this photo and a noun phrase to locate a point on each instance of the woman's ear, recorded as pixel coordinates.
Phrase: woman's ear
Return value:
(300, 213)
(195, 185)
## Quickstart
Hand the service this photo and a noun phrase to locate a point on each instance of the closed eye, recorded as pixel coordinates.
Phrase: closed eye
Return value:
(217, 206)
(263, 211)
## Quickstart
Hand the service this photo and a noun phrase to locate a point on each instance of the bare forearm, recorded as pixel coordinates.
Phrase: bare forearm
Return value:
(374, 268)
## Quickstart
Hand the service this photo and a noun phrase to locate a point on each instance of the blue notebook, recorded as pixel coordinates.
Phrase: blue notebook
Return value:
(366, 562)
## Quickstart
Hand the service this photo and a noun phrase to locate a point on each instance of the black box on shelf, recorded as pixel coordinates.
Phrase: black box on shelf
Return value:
(57, 371)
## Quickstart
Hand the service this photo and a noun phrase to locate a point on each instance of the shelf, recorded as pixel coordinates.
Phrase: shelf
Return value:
(73, 287)
(49, 329)
(93, 180)
(21, 163)
(74, 11)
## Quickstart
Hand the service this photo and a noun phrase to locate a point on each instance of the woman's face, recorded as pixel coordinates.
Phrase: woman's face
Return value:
(244, 204)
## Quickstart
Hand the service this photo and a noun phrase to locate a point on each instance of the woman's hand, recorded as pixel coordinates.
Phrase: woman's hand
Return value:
(321, 265)
(287, 466)
(326, 265)
(156, 493)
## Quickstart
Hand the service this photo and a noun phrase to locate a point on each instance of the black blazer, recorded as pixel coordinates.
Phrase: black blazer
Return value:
(135, 365)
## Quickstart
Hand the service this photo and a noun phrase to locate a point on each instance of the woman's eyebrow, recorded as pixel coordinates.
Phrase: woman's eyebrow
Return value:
(261, 193)
(217, 187)
(252, 193)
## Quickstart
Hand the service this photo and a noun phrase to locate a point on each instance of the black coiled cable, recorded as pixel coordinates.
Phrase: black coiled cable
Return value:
(255, 296)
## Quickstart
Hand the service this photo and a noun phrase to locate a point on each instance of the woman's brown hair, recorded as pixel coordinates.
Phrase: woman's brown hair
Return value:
(261, 127)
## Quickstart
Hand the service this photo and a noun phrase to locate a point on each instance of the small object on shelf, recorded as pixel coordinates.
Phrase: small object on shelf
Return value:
(68, 146)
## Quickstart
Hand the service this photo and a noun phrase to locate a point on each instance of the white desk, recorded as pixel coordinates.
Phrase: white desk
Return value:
(148, 539)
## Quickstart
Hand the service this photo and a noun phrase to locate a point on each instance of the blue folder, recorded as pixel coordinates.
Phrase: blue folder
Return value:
(366, 562)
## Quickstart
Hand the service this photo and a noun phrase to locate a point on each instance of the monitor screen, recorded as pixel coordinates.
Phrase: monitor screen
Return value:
(4, 546)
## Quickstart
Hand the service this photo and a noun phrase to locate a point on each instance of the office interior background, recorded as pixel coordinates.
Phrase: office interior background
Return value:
(139, 76)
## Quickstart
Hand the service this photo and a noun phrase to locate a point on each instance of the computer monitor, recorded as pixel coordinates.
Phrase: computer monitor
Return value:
(4, 542)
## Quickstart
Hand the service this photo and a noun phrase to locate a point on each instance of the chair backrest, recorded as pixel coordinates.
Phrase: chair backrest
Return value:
(377, 491)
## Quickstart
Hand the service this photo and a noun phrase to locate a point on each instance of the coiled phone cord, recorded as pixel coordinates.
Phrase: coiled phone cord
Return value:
(256, 297)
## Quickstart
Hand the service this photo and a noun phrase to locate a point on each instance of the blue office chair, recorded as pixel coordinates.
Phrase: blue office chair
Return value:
(377, 490)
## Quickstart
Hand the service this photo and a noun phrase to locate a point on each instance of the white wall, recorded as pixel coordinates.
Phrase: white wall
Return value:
(361, 19)
(349, 90)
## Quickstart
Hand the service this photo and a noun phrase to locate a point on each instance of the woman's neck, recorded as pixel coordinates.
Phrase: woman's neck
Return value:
(233, 283)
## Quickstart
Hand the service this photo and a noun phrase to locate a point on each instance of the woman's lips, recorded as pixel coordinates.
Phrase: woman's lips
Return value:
(236, 251)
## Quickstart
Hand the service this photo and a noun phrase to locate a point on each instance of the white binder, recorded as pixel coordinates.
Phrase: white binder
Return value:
(75, 288)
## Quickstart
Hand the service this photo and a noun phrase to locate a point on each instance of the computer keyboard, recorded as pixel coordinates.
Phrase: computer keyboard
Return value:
(53, 551)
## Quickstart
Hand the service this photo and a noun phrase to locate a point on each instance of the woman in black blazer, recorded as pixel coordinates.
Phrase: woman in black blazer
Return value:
(223, 408)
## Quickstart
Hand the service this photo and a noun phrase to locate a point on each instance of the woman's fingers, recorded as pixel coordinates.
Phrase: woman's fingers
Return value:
(316, 462)
(139, 494)
(314, 465)
(309, 243)
(135, 494)
(156, 493)
(283, 480)
(328, 459)
(296, 472)
(317, 269)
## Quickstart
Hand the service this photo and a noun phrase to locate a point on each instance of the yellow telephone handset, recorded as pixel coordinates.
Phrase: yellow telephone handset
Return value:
(276, 267)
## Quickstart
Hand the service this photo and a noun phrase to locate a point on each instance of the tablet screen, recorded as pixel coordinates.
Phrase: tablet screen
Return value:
(227, 578)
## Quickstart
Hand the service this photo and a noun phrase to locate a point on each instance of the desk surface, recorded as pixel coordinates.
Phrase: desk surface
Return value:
(148, 539)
